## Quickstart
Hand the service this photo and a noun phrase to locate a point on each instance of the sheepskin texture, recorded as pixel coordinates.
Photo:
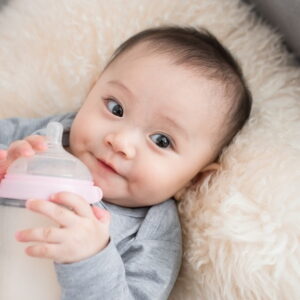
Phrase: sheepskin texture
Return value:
(241, 228)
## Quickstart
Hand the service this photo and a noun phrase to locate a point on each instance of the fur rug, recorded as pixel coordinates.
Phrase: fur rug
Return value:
(241, 229)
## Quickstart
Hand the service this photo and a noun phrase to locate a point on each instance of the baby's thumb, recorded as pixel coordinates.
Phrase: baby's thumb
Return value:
(3, 163)
(101, 214)
(3, 154)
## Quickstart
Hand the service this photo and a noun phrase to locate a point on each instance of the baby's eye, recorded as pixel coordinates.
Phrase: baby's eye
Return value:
(115, 108)
(161, 140)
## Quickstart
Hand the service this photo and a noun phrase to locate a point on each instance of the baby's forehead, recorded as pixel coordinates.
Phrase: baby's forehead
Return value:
(209, 91)
(161, 52)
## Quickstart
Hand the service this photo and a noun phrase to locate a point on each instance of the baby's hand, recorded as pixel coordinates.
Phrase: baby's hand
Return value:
(27, 147)
(83, 231)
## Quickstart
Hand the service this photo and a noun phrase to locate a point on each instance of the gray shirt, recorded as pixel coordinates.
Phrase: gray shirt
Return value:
(143, 257)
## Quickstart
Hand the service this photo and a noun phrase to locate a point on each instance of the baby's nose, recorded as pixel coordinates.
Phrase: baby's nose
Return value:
(122, 143)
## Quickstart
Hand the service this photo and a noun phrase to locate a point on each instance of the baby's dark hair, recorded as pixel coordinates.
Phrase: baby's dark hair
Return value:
(202, 52)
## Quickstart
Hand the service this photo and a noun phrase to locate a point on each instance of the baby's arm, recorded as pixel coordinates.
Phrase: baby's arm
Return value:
(13, 129)
(145, 270)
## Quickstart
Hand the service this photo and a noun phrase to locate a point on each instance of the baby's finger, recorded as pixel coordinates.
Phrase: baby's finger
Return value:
(3, 163)
(47, 235)
(3, 155)
(59, 214)
(73, 202)
(19, 148)
(43, 250)
(37, 142)
(101, 214)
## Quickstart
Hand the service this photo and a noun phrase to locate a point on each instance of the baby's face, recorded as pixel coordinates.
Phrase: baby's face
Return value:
(146, 128)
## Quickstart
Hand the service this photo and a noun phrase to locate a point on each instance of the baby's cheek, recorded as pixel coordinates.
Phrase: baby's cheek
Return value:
(78, 141)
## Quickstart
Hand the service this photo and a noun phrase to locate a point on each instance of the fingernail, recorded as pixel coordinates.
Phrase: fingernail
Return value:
(28, 152)
(3, 154)
(17, 235)
(52, 197)
(43, 145)
(28, 201)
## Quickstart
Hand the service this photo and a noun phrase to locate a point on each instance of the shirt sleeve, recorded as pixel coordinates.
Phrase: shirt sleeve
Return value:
(146, 270)
(18, 128)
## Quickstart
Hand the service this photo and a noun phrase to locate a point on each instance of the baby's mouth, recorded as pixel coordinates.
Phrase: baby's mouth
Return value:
(107, 166)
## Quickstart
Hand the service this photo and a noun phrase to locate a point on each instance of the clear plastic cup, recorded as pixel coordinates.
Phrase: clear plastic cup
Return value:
(48, 172)
(39, 176)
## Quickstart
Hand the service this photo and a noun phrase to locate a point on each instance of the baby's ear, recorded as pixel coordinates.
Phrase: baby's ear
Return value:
(206, 172)
(213, 167)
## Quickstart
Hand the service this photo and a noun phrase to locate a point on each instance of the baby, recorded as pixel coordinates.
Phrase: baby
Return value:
(167, 103)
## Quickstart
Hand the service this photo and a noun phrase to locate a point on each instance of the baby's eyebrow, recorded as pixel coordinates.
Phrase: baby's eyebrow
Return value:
(122, 86)
(174, 125)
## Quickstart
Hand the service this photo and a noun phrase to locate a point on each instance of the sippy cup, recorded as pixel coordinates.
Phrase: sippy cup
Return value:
(39, 176)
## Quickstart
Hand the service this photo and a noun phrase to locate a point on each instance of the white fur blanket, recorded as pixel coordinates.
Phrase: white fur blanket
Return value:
(242, 231)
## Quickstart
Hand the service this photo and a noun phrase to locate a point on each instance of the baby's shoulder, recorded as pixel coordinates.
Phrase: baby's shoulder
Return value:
(165, 208)
(162, 221)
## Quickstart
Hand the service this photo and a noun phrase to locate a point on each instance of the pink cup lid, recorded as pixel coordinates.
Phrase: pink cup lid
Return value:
(25, 187)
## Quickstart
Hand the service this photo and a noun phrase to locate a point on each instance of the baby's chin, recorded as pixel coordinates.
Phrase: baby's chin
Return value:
(125, 196)
(120, 202)
(133, 203)
(126, 202)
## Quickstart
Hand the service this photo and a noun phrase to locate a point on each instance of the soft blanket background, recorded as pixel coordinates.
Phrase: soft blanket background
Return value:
(242, 230)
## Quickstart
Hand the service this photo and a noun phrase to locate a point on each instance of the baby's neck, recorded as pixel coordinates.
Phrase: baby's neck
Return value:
(68, 149)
